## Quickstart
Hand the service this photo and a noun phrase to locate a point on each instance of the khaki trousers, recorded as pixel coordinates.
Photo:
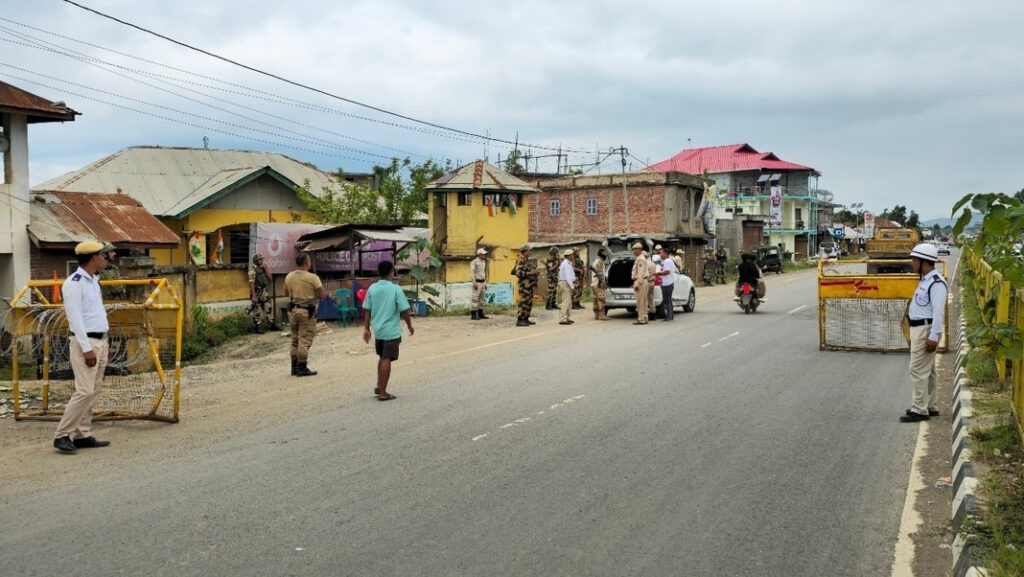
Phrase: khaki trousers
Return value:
(564, 300)
(77, 419)
(925, 394)
(303, 328)
(476, 296)
(642, 290)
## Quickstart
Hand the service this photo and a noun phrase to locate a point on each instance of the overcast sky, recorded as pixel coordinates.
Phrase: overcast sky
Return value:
(896, 102)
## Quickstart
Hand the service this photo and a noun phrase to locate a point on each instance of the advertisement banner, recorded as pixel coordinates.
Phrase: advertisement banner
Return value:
(775, 211)
(276, 242)
(869, 225)
(458, 294)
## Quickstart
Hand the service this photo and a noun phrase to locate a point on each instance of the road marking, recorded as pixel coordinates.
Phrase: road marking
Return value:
(729, 336)
(799, 308)
(705, 345)
(910, 520)
(523, 420)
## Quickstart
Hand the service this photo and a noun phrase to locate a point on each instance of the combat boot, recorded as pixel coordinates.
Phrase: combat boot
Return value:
(473, 316)
(480, 314)
(302, 370)
(603, 316)
(295, 366)
(597, 315)
(521, 322)
(257, 327)
(551, 306)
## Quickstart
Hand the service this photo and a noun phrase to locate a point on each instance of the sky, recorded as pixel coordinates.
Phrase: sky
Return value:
(894, 102)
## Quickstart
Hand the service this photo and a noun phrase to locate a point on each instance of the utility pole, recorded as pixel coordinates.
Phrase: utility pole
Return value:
(625, 193)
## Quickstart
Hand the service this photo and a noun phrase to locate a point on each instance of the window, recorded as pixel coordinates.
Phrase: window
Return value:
(591, 206)
(442, 199)
(465, 199)
(799, 213)
(556, 208)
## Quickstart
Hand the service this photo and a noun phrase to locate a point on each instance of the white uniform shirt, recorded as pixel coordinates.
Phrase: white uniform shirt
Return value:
(83, 306)
(929, 302)
(478, 270)
(565, 271)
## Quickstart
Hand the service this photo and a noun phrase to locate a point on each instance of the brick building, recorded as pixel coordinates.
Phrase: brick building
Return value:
(662, 205)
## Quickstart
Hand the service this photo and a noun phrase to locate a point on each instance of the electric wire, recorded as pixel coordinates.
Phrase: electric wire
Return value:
(308, 87)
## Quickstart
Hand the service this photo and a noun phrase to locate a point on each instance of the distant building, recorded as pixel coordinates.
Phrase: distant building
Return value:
(762, 199)
(479, 206)
(200, 192)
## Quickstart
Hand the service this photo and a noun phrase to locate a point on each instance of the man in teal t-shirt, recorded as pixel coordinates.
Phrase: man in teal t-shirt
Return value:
(386, 306)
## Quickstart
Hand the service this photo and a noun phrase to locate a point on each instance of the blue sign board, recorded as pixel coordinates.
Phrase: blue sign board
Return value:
(838, 232)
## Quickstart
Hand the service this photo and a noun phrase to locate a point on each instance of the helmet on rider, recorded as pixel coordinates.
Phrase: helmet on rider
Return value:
(747, 257)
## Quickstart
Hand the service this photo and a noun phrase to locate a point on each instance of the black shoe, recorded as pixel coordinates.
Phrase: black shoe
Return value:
(295, 366)
(931, 412)
(89, 443)
(913, 417)
(302, 370)
(480, 314)
(473, 316)
(528, 321)
(565, 322)
(64, 445)
(522, 323)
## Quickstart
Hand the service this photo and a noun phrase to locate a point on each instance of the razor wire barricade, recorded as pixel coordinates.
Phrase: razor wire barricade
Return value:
(858, 311)
(143, 377)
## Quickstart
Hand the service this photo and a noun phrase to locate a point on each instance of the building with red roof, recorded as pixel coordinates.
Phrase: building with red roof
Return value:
(758, 199)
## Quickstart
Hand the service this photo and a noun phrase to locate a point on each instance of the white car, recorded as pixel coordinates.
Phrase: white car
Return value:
(942, 248)
(620, 295)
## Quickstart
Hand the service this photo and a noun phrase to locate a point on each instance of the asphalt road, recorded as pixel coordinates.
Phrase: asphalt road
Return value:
(722, 444)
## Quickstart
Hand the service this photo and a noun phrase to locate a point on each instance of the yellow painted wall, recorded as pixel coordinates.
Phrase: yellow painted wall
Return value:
(470, 226)
(207, 221)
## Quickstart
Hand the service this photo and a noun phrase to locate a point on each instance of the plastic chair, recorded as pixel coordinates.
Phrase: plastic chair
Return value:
(346, 306)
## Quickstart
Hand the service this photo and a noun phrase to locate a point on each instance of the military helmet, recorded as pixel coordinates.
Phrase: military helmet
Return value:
(256, 257)
(553, 250)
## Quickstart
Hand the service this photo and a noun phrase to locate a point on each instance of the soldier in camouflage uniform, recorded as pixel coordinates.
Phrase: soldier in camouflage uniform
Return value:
(111, 273)
(259, 282)
(526, 272)
(551, 265)
(578, 268)
(598, 284)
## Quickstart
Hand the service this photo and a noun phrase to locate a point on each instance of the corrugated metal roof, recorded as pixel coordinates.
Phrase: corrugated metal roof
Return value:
(64, 218)
(480, 175)
(729, 158)
(38, 109)
(169, 180)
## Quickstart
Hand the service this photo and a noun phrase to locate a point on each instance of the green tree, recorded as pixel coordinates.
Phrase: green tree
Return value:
(897, 214)
(913, 221)
(1019, 196)
(512, 164)
(396, 200)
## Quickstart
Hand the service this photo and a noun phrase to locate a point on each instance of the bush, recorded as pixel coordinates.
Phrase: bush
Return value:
(209, 335)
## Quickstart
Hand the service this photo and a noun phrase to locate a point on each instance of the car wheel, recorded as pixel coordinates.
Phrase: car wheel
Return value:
(631, 310)
(691, 303)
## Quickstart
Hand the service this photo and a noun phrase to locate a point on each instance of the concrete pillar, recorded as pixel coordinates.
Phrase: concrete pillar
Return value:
(14, 208)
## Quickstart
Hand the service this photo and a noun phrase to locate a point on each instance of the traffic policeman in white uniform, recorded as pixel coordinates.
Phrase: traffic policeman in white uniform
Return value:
(927, 316)
(88, 351)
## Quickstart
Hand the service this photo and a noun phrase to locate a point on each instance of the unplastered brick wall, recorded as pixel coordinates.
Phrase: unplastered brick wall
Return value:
(572, 221)
(43, 263)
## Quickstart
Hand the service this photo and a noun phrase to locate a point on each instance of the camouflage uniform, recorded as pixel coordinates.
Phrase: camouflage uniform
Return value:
(113, 293)
(597, 285)
(551, 265)
(526, 271)
(259, 282)
(577, 287)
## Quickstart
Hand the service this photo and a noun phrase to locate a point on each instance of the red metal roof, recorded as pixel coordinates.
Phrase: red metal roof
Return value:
(16, 101)
(729, 158)
(66, 218)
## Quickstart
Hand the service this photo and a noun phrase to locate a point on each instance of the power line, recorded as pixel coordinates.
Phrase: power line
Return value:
(305, 86)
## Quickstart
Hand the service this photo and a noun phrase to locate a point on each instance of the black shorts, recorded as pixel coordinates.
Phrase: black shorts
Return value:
(388, 349)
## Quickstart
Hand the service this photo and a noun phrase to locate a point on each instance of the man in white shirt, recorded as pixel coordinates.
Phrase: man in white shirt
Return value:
(89, 348)
(566, 279)
(668, 278)
(926, 313)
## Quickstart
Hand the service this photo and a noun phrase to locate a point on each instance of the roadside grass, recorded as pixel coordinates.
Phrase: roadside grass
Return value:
(998, 531)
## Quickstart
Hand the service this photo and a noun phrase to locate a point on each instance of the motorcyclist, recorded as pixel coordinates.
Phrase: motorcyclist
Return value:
(750, 273)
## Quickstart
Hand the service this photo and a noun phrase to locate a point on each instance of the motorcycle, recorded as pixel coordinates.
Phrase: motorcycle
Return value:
(748, 300)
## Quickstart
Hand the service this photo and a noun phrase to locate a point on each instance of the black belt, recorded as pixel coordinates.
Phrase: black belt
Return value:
(919, 322)
(95, 335)
(479, 280)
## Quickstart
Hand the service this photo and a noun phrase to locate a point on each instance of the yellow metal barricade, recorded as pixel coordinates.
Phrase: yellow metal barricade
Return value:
(143, 376)
(858, 311)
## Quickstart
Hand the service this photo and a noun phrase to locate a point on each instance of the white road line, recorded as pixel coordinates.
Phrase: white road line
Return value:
(478, 437)
(729, 336)
(705, 345)
(910, 520)
(522, 420)
(799, 308)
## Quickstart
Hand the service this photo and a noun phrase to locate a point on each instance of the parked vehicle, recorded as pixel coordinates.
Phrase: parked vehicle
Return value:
(829, 249)
(618, 274)
(748, 300)
(891, 243)
(942, 248)
(769, 258)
